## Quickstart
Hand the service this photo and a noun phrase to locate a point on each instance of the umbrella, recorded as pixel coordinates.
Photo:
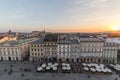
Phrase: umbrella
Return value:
(63, 68)
(54, 68)
(68, 65)
(63, 64)
(68, 68)
(84, 64)
(49, 64)
(43, 65)
(85, 68)
(56, 64)
(39, 68)
(92, 69)
(48, 67)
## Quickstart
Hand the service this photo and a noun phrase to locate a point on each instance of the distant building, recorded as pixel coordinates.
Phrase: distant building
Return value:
(5, 38)
(9, 36)
(14, 50)
(38, 33)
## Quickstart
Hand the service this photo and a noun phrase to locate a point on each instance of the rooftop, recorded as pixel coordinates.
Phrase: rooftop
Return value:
(1, 37)
(75, 41)
(72, 41)
(51, 38)
(89, 39)
(115, 40)
(39, 41)
(65, 41)
(17, 42)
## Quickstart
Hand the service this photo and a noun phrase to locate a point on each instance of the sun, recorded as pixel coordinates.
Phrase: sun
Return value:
(116, 28)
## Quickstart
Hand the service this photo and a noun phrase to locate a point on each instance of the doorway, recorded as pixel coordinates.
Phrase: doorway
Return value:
(9, 58)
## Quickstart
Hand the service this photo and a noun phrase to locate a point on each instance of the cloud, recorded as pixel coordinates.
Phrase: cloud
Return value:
(87, 11)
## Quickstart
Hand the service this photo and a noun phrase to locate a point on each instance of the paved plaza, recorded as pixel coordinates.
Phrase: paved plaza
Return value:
(27, 71)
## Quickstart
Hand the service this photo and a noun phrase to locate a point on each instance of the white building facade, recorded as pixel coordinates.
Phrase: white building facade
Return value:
(91, 49)
(64, 51)
(110, 52)
(14, 50)
(79, 49)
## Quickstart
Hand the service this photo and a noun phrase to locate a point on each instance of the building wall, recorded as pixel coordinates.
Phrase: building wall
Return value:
(75, 51)
(50, 50)
(13, 52)
(110, 52)
(90, 51)
(64, 51)
(36, 52)
(24, 50)
(10, 53)
(84, 51)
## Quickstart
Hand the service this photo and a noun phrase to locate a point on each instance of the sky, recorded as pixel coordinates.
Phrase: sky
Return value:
(59, 15)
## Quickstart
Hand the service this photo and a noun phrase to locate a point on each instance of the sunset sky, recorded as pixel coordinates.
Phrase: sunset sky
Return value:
(59, 15)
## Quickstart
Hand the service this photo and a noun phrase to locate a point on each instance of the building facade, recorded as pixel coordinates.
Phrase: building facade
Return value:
(78, 49)
(37, 50)
(91, 49)
(50, 47)
(64, 50)
(14, 50)
(110, 52)
(44, 49)
(75, 50)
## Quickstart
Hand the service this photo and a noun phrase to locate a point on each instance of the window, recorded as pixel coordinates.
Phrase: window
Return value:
(4, 53)
(37, 45)
(8, 53)
(12, 53)
(16, 53)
